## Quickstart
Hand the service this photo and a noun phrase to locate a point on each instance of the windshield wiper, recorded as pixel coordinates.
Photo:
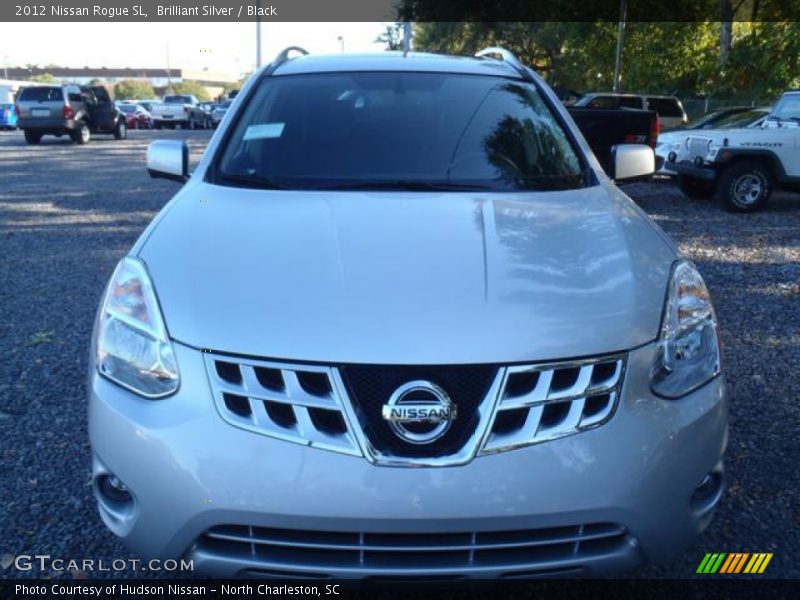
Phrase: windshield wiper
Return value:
(253, 181)
(404, 185)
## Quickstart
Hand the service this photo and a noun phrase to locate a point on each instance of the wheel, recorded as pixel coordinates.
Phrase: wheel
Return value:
(745, 186)
(82, 135)
(157, 125)
(696, 189)
(33, 138)
(121, 131)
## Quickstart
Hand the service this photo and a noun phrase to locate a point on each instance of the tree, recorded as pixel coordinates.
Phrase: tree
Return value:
(392, 36)
(132, 89)
(45, 78)
(236, 85)
(191, 88)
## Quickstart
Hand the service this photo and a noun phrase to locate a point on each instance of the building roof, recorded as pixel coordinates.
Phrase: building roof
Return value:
(98, 73)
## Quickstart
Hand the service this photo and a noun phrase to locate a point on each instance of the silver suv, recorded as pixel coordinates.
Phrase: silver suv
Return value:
(399, 323)
(76, 111)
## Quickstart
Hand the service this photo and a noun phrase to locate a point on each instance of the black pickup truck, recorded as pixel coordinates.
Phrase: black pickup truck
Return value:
(604, 128)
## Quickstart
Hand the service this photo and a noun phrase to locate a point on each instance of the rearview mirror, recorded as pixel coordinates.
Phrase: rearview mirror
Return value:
(168, 159)
(632, 161)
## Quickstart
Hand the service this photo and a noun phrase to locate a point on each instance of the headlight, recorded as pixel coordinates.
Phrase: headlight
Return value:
(687, 355)
(132, 346)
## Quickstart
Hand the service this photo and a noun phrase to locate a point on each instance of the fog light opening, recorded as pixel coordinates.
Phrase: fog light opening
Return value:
(113, 492)
(708, 493)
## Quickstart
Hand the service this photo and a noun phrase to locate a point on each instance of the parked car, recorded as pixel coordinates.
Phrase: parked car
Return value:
(148, 104)
(178, 110)
(76, 111)
(8, 116)
(136, 116)
(219, 112)
(669, 108)
(607, 128)
(729, 118)
(741, 167)
(399, 306)
(207, 108)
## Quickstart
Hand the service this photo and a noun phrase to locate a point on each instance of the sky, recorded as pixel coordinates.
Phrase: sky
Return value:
(228, 47)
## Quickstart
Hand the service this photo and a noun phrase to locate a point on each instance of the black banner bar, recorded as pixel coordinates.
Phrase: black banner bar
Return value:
(392, 10)
(712, 588)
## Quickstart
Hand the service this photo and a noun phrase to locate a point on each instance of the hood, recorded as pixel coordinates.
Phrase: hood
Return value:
(408, 278)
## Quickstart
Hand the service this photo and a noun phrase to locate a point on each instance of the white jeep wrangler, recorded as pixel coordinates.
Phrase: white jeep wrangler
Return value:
(741, 167)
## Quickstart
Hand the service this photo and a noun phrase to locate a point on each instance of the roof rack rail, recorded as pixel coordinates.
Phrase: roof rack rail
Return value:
(508, 57)
(284, 55)
(282, 58)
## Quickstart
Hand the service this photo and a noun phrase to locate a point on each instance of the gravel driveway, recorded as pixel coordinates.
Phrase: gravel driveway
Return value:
(68, 213)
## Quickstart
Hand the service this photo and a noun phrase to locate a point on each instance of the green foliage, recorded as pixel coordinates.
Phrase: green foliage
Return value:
(133, 89)
(45, 78)
(392, 37)
(236, 85)
(680, 58)
(191, 88)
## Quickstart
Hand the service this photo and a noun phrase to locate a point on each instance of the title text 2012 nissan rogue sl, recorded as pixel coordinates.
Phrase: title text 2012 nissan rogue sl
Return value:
(399, 323)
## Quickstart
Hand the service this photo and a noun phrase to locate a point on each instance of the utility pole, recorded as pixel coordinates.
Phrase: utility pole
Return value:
(258, 34)
(620, 42)
(169, 74)
(408, 33)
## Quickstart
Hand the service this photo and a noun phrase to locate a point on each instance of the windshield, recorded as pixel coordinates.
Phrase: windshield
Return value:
(739, 119)
(127, 108)
(398, 130)
(41, 94)
(177, 100)
(787, 107)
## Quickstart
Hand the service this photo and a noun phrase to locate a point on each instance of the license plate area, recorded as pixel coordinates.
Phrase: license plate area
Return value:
(40, 112)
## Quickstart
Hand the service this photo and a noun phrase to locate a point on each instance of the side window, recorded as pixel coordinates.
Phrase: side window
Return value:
(75, 97)
(665, 107)
(101, 94)
(603, 102)
(630, 102)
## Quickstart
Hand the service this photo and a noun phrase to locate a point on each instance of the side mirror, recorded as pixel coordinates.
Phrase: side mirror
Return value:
(168, 159)
(632, 162)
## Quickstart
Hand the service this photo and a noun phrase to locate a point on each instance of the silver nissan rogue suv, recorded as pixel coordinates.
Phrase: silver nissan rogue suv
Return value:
(399, 323)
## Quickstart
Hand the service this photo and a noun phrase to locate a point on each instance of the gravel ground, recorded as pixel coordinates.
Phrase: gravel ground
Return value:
(68, 213)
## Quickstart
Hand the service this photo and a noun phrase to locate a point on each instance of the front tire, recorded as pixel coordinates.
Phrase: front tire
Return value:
(157, 125)
(32, 138)
(696, 189)
(745, 187)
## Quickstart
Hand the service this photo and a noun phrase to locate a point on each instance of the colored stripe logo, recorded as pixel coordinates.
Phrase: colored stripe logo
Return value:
(734, 562)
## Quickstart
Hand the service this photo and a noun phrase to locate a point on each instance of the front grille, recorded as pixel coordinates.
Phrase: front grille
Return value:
(339, 408)
(370, 386)
(543, 402)
(320, 552)
(295, 403)
(697, 146)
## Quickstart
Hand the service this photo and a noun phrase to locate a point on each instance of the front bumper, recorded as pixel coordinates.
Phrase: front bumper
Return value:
(190, 472)
(688, 169)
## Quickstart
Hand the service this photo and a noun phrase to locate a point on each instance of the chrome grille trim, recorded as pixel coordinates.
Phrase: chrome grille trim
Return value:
(587, 402)
(697, 146)
(577, 417)
(303, 431)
